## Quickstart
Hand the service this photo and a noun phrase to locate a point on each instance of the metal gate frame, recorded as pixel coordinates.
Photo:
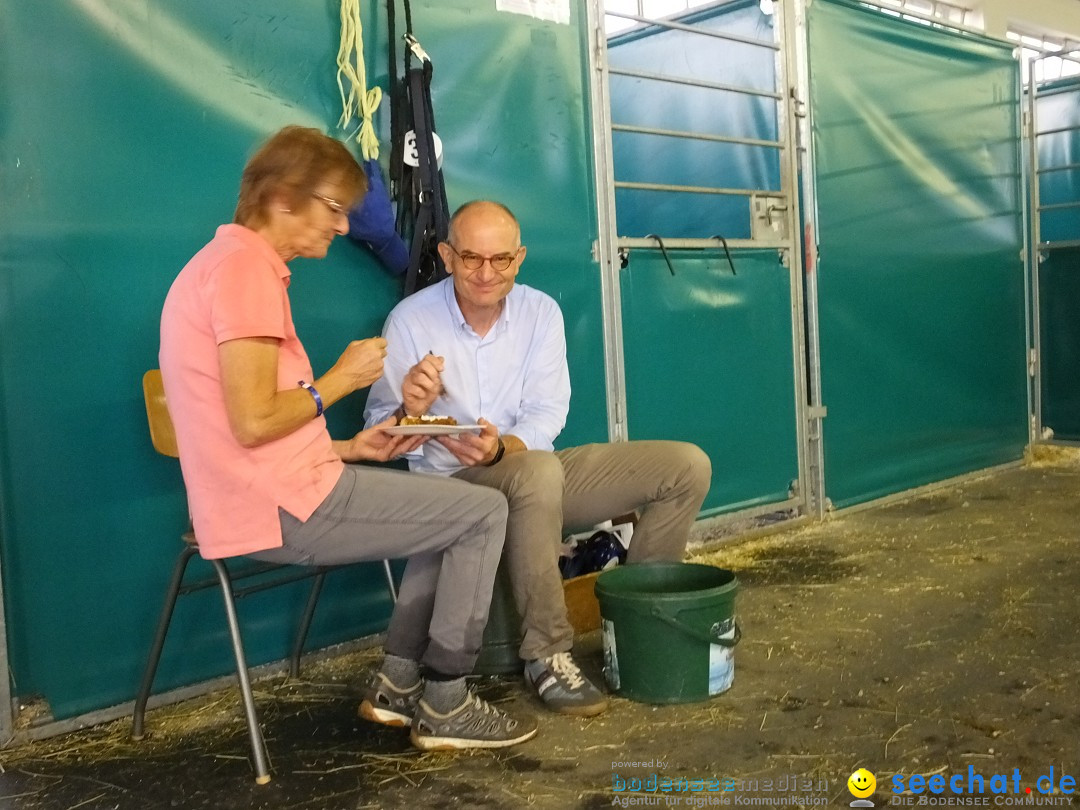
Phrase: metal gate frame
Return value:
(1036, 249)
(801, 248)
(793, 127)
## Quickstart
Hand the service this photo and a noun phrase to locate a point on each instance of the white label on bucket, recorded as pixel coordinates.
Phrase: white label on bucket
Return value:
(611, 659)
(722, 659)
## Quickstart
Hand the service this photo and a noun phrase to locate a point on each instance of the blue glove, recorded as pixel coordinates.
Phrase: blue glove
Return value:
(372, 223)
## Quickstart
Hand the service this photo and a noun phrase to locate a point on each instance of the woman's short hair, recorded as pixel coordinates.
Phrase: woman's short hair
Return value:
(290, 165)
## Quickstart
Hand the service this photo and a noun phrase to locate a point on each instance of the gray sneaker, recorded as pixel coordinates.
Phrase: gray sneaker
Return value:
(563, 687)
(473, 724)
(385, 703)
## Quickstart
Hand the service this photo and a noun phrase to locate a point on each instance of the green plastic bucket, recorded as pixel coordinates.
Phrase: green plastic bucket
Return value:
(669, 630)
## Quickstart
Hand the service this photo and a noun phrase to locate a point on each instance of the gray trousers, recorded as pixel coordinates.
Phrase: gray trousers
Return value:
(552, 494)
(452, 533)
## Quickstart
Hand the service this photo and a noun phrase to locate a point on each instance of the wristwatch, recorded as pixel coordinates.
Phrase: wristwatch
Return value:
(498, 454)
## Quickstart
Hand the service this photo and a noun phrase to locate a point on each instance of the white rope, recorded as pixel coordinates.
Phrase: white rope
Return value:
(359, 102)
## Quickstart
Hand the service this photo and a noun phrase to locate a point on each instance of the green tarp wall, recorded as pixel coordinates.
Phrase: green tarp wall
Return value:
(708, 354)
(920, 280)
(709, 360)
(123, 129)
(1058, 108)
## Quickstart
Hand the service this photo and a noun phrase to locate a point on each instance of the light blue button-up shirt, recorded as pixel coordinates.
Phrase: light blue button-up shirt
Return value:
(515, 376)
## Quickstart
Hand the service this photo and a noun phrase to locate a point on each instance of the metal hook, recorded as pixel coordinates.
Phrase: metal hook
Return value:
(414, 46)
(663, 250)
(727, 252)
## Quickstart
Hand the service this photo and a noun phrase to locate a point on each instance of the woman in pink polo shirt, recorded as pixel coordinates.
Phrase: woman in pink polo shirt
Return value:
(265, 479)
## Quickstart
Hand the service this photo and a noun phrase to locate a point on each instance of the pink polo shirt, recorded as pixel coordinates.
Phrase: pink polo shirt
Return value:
(235, 287)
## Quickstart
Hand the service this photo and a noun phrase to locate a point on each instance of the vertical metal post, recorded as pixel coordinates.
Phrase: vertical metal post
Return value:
(606, 249)
(1032, 237)
(7, 709)
(797, 43)
(788, 113)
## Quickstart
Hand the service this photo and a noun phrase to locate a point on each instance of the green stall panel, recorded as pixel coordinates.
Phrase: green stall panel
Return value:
(921, 282)
(708, 355)
(125, 127)
(1059, 333)
(709, 360)
(1058, 150)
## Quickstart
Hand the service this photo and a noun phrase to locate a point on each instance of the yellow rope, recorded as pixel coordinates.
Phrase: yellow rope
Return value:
(359, 101)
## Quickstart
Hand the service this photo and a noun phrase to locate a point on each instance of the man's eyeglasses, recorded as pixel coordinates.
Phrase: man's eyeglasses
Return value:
(474, 261)
(334, 206)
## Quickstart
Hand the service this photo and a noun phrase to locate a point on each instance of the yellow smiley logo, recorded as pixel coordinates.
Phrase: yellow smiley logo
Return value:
(861, 783)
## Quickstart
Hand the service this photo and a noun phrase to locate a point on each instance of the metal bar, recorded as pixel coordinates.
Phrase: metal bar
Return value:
(305, 624)
(299, 575)
(919, 15)
(788, 117)
(1054, 131)
(7, 711)
(737, 533)
(705, 32)
(607, 239)
(1041, 53)
(799, 34)
(1063, 168)
(1031, 260)
(1059, 206)
(745, 192)
(660, 77)
(1059, 245)
(154, 658)
(7, 539)
(274, 668)
(259, 759)
(391, 586)
(926, 489)
(699, 136)
(719, 527)
(698, 244)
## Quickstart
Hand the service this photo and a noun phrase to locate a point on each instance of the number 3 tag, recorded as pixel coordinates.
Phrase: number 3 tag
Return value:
(411, 155)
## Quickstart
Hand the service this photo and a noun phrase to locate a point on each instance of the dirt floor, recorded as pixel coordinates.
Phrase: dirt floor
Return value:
(935, 636)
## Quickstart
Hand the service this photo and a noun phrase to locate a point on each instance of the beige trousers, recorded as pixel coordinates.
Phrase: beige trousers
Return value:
(553, 494)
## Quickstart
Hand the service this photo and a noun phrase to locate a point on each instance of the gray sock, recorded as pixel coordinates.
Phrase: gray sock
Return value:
(404, 673)
(445, 696)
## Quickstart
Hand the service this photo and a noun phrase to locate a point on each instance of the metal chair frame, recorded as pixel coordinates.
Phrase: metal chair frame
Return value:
(165, 443)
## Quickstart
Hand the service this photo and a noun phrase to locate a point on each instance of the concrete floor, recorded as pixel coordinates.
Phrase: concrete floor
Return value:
(937, 636)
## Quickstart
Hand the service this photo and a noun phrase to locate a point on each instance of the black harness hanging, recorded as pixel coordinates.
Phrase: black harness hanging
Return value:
(423, 217)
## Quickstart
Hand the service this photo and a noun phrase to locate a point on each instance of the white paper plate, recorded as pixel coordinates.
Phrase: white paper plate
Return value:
(431, 430)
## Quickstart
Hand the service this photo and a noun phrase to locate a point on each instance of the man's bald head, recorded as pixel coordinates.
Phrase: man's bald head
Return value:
(482, 210)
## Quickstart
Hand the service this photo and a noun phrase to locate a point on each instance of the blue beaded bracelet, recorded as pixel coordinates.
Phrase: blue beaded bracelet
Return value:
(314, 395)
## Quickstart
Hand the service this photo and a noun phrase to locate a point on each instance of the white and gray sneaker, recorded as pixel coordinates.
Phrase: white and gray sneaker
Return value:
(563, 687)
(386, 703)
(473, 724)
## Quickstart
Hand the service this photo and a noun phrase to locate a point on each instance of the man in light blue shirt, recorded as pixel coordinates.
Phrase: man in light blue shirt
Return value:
(487, 351)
